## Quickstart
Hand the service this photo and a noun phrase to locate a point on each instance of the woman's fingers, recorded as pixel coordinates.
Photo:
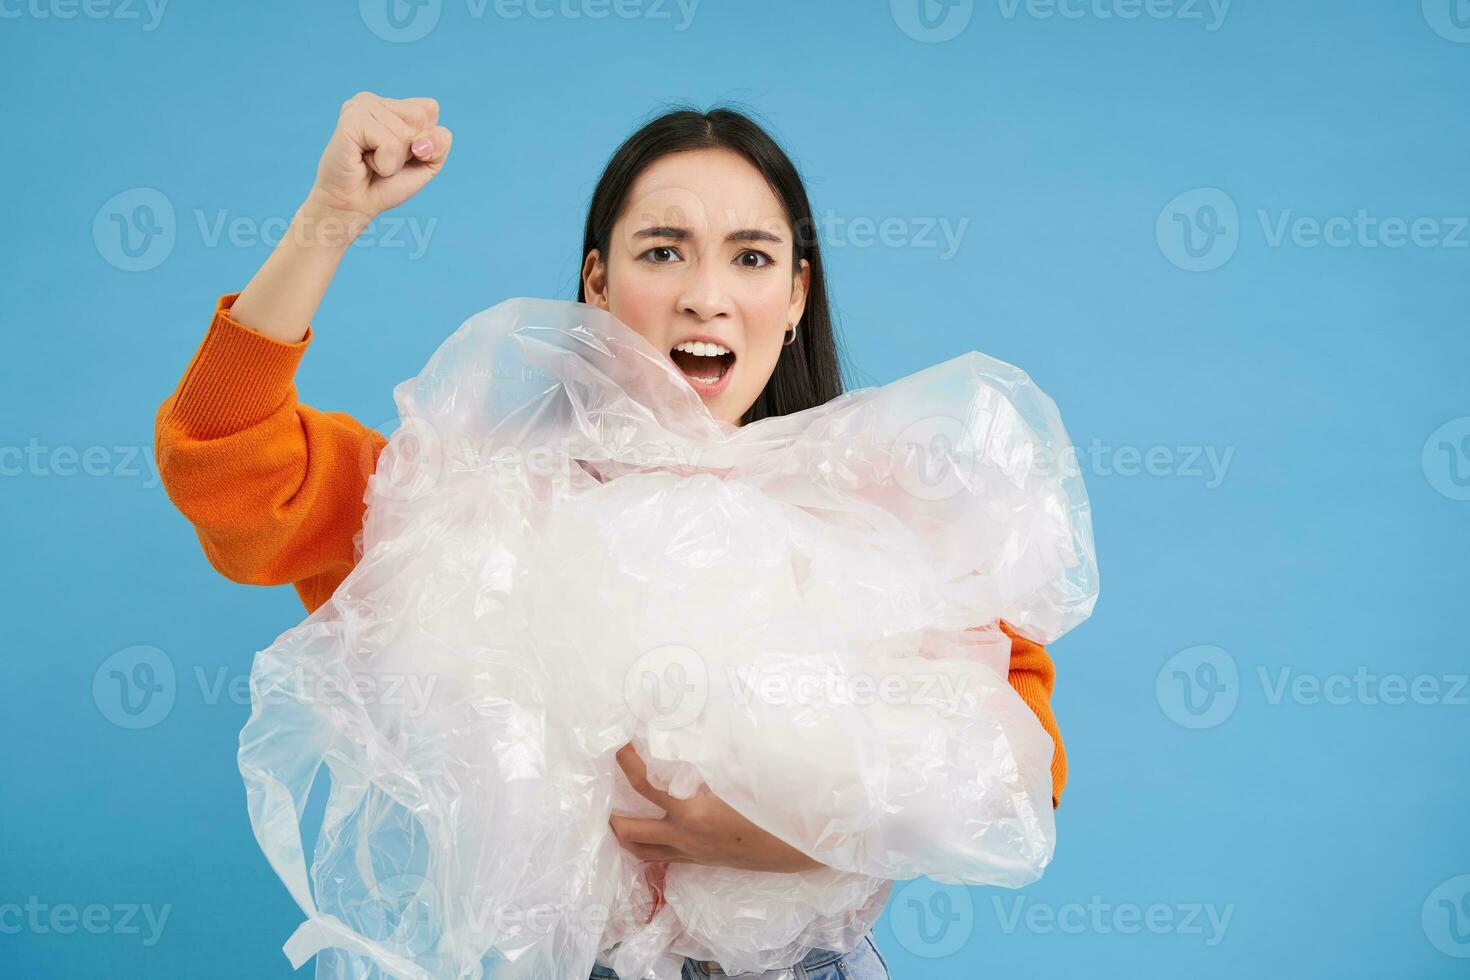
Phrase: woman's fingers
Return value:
(656, 852)
(419, 113)
(421, 167)
(388, 138)
(643, 830)
(432, 147)
(655, 872)
(637, 773)
(382, 152)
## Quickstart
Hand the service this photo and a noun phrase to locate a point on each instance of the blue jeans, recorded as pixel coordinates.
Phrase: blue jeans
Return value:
(863, 963)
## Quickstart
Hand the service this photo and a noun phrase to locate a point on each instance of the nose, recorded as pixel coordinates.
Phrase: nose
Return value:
(704, 295)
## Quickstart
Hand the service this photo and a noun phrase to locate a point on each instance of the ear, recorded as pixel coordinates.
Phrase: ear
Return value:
(800, 284)
(594, 279)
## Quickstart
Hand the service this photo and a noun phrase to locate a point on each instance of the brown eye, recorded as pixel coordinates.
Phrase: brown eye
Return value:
(662, 251)
(761, 259)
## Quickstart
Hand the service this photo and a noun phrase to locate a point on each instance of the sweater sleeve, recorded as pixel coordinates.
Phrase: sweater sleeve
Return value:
(1033, 675)
(274, 488)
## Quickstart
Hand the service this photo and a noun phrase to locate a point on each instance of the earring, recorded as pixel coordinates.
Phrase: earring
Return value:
(791, 335)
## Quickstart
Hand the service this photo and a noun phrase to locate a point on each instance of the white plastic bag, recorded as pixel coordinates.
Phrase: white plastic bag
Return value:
(564, 552)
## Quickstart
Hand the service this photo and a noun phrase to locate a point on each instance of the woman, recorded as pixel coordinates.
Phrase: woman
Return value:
(699, 237)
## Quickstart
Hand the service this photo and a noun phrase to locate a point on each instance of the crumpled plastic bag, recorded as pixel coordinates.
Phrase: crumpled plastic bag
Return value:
(565, 552)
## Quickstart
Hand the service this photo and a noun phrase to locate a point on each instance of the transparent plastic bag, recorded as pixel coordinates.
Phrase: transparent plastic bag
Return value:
(564, 552)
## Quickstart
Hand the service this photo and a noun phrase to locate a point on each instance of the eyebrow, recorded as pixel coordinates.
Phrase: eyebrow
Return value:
(738, 235)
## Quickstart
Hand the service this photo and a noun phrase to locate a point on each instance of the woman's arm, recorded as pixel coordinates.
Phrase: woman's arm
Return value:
(382, 152)
(274, 488)
(707, 830)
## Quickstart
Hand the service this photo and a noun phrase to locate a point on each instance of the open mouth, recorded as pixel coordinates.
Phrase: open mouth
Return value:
(707, 371)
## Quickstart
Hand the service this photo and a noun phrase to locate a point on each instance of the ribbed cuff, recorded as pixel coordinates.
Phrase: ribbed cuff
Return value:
(1034, 692)
(237, 377)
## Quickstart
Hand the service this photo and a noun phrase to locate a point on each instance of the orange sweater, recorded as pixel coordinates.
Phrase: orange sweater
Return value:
(275, 488)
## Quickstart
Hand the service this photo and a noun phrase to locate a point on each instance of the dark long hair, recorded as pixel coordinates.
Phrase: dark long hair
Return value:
(809, 372)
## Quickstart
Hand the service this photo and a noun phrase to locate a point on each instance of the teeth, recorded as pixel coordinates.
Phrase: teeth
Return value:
(701, 349)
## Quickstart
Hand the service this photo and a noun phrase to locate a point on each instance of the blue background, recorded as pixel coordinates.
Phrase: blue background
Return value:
(1333, 541)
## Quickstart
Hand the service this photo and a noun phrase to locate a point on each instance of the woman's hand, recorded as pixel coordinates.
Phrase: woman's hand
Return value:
(703, 829)
(382, 153)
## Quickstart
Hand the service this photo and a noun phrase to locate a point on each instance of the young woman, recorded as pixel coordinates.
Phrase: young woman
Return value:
(699, 237)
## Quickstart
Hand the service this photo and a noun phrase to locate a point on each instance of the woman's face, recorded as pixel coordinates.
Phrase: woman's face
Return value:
(703, 252)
